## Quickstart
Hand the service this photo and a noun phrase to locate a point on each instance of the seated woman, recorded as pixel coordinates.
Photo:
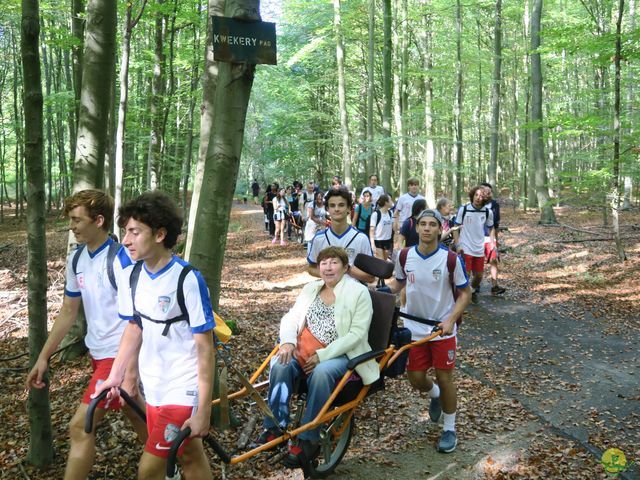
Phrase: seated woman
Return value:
(334, 313)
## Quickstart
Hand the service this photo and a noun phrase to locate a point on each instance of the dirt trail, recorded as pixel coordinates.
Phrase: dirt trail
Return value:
(540, 396)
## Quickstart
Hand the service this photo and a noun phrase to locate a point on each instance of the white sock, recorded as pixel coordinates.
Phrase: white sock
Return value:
(449, 421)
(435, 391)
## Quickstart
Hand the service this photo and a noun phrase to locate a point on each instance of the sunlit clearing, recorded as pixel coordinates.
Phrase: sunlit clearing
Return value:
(247, 212)
(296, 262)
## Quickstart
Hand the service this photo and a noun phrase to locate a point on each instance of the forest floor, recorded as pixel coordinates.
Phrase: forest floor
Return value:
(548, 373)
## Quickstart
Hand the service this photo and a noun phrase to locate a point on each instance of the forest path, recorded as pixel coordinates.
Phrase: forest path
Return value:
(543, 385)
(539, 394)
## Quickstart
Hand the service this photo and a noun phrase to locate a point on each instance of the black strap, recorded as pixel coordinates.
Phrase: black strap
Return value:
(184, 314)
(114, 248)
(415, 319)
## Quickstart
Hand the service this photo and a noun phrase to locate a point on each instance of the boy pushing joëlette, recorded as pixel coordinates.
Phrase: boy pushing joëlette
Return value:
(175, 348)
(424, 269)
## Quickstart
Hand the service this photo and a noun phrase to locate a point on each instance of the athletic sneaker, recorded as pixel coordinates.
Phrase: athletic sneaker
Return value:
(265, 437)
(474, 297)
(448, 442)
(497, 290)
(435, 409)
(305, 451)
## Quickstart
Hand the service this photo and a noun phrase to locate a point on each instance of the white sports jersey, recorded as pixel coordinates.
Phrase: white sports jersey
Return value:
(168, 364)
(376, 192)
(429, 294)
(404, 205)
(472, 232)
(352, 240)
(91, 281)
(384, 228)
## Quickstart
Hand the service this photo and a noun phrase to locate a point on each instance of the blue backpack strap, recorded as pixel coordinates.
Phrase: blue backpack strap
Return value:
(452, 258)
(180, 293)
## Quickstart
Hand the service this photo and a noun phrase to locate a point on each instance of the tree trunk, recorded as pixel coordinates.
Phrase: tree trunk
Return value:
(457, 113)
(399, 36)
(386, 167)
(128, 26)
(77, 31)
(222, 160)
(157, 95)
(427, 88)
(495, 94)
(371, 155)
(95, 99)
(41, 441)
(207, 110)
(617, 133)
(547, 216)
(342, 96)
(628, 179)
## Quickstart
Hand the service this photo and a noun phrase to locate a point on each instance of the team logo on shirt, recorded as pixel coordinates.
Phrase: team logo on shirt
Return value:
(437, 273)
(171, 432)
(80, 278)
(164, 303)
(351, 252)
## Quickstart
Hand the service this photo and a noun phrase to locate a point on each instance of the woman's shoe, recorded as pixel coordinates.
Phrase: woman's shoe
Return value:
(283, 243)
(274, 240)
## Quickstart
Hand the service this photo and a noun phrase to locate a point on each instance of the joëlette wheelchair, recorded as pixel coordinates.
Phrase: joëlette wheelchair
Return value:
(335, 419)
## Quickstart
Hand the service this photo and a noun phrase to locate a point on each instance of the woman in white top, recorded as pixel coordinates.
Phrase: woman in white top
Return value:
(316, 217)
(381, 229)
(280, 209)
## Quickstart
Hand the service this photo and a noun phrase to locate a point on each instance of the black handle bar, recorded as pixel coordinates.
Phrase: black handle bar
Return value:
(88, 420)
(182, 436)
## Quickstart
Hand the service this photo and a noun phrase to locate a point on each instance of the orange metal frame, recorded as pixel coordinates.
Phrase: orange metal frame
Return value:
(389, 356)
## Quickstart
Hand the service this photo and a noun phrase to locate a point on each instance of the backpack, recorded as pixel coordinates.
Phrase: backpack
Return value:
(114, 247)
(451, 268)
(221, 330)
(484, 209)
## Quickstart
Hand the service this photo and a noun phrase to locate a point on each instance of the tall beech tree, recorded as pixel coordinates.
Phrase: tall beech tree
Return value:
(537, 140)
(41, 440)
(232, 92)
(95, 95)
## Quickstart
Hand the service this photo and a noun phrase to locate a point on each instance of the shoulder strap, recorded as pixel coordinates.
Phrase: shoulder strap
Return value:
(180, 293)
(114, 248)
(464, 212)
(403, 257)
(327, 236)
(352, 238)
(76, 257)
(452, 257)
(133, 285)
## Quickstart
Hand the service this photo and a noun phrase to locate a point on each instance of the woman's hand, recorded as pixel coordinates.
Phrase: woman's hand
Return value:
(285, 354)
(311, 364)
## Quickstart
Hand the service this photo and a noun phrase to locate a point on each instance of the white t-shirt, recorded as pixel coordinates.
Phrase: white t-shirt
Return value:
(429, 294)
(306, 200)
(404, 205)
(376, 192)
(352, 240)
(384, 228)
(168, 364)
(92, 283)
(472, 232)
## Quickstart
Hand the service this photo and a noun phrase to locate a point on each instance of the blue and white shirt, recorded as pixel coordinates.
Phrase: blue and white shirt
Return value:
(429, 294)
(352, 240)
(91, 282)
(168, 364)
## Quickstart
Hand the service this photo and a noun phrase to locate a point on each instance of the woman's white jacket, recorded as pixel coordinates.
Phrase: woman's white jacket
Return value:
(353, 311)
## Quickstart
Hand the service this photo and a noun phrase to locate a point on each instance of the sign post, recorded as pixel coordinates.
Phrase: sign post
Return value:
(239, 42)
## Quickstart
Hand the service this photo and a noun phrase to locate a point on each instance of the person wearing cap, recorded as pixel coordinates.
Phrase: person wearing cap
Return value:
(424, 271)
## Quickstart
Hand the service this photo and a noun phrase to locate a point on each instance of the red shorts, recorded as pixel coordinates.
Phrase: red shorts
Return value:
(440, 354)
(163, 425)
(474, 264)
(490, 252)
(101, 370)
